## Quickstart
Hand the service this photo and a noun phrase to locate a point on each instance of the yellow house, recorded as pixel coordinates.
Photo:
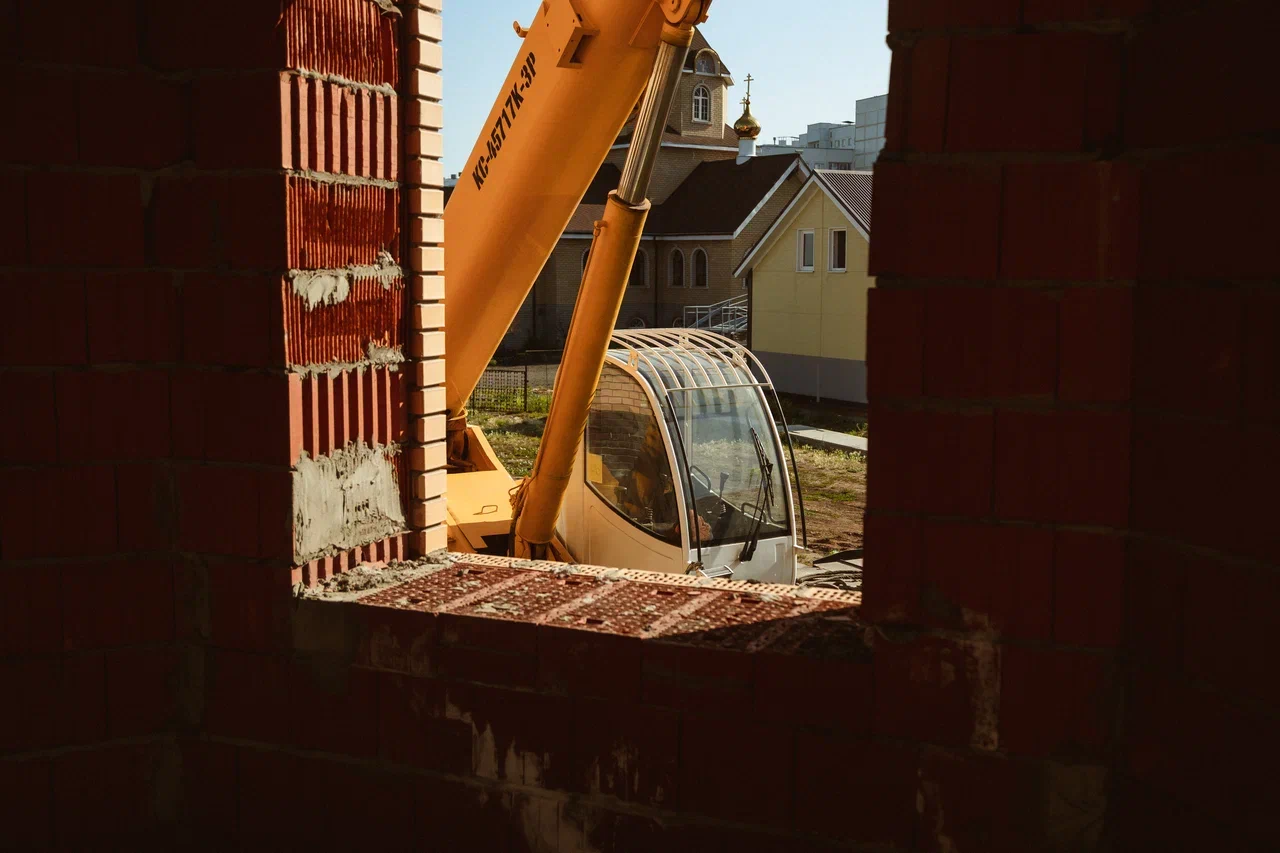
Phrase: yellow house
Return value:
(808, 282)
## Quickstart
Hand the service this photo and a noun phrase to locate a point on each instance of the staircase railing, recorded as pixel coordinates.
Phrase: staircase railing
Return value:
(728, 317)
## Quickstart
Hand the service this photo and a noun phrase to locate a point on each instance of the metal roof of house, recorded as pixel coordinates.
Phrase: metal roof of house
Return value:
(852, 190)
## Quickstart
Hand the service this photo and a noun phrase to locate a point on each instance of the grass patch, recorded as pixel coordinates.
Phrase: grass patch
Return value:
(847, 418)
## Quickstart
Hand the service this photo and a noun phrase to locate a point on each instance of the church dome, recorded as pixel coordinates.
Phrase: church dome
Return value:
(747, 127)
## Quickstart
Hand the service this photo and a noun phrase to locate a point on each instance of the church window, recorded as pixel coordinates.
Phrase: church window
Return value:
(699, 268)
(706, 63)
(702, 104)
(677, 269)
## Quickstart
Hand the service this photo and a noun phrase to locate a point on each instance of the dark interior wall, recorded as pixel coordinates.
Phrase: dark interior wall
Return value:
(1073, 374)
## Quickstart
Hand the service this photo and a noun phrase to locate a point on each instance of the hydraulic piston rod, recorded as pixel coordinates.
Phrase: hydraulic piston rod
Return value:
(613, 249)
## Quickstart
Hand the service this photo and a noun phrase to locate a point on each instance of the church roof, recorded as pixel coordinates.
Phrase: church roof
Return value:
(698, 45)
(716, 198)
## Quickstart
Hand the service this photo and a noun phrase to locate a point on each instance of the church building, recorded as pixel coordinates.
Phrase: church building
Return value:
(713, 199)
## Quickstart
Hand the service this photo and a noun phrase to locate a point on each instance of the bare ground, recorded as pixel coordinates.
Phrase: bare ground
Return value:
(835, 484)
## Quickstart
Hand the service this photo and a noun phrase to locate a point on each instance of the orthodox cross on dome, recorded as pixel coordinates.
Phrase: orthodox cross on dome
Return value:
(747, 127)
(747, 100)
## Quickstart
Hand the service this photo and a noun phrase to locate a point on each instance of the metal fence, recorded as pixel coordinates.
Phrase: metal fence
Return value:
(514, 382)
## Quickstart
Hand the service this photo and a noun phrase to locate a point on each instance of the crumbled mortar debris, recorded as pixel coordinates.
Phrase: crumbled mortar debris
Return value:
(364, 578)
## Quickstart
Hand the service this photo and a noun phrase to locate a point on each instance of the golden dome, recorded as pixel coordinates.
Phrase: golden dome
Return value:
(747, 127)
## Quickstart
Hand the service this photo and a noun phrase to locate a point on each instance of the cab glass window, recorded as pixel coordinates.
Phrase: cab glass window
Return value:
(627, 463)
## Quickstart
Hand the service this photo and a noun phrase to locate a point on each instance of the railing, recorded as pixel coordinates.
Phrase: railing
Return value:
(728, 317)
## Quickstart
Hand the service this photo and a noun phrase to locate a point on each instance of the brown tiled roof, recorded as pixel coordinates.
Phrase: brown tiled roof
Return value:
(718, 195)
(853, 189)
(715, 198)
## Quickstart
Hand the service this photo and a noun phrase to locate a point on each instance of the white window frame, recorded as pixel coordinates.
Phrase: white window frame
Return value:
(696, 117)
(800, 235)
(831, 250)
(671, 269)
(706, 262)
(643, 259)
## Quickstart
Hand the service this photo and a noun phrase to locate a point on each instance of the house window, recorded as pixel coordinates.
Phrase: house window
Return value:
(677, 269)
(706, 63)
(702, 104)
(639, 271)
(699, 268)
(804, 251)
(839, 249)
(586, 253)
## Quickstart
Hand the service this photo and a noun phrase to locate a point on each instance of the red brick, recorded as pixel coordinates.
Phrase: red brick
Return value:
(1089, 593)
(334, 712)
(894, 554)
(103, 211)
(143, 687)
(717, 753)
(249, 605)
(895, 343)
(898, 107)
(84, 521)
(226, 320)
(977, 803)
(1155, 589)
(218, 511)
(1150, 819)
(1064, 466)
(13, 219)
(1055, 702)
(209, 788)
(133, 120)
(144, 588)
(1055, 213)
(395, 640)
(948, 14)
(113, 415)
(44, 319)
(1238, 185)
(27, 792)
(940, 461)
(1020, 93)
(695, 678)
(988, 577)
(927, 689)
(1079, 11)
(132, 317)
(29, 433)
(1188, 349)
(253, 222)
(927, 101)
(1227, 637)
(45, 99)
(132, 805)
(412, 729)
(1229, 88)
(625, 750)
(520, 737)
(247, 696)
(244, 35)
(144, 496)
(1261, 354)
(1195, 503)
(936, 220)
(856, 789)
(232, 417)
(109, 34)
(1096, 345)
(1188, 742)
(589, 663)
(835, 690)
(487, 651)
(31, 611)
(184, 227)
(981, 342)
(237, 121)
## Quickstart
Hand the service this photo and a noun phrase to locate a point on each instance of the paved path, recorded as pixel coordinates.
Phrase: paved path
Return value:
(827, 439)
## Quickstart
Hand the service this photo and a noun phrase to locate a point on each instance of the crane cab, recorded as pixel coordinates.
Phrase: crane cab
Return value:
(681, 467)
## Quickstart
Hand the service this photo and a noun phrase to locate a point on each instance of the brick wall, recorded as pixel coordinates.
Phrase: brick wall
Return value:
(1064, 642)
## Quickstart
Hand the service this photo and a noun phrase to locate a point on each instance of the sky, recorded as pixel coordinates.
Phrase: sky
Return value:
(809, 60)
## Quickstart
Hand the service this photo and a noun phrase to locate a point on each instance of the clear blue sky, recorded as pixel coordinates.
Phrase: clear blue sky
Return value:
(810, 59)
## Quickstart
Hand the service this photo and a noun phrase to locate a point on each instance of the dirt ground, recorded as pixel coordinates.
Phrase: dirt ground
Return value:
(834, 484)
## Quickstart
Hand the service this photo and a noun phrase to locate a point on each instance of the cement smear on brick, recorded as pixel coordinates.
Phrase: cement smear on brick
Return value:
(330, 287)
(344, 500)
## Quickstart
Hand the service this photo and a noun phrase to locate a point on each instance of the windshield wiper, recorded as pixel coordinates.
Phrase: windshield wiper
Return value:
(764, 498)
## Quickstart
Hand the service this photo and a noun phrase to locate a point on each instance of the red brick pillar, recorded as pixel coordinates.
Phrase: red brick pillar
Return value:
(1073, 380)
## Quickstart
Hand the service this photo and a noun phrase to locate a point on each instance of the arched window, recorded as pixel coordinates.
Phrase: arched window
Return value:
(586, 253)
(639, 271)
(699, 268)
(702, 104)
(706, 63)
(677, 269)
(636, 323)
